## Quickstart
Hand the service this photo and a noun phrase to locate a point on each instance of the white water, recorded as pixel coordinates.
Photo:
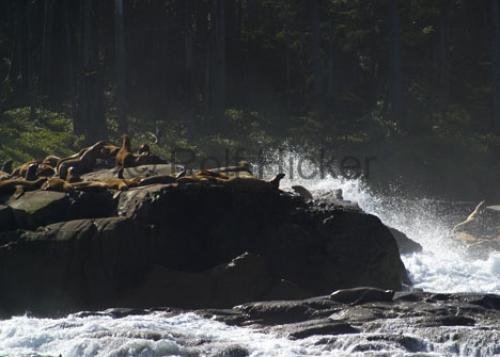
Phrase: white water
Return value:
(440, 267)
(156, 334)
(159, 334)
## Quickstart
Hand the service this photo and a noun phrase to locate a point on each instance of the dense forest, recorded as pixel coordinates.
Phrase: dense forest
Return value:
(414, 83)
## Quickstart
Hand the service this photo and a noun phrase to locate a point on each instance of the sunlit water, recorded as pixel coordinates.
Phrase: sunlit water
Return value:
(441, 267)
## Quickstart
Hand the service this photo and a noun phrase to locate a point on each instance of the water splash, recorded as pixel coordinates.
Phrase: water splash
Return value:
(442, 266)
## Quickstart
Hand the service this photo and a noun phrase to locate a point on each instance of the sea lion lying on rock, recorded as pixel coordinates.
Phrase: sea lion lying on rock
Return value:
(11, 185)
(6, 169)
(46, 167)
(45, 170)
(112, 183)
(109, 151)
(51, 160)
(213, 174)
(57, 184)
(7, 166)
(84, 163)
(32, 172)
(21, 170)
(72, 176)
(159, 179)
(240, 183)
(362, 295)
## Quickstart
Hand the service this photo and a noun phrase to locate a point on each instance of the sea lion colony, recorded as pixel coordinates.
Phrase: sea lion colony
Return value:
(53, 173)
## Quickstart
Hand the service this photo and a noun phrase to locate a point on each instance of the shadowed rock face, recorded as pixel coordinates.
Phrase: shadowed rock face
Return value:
(190, 246)
(405, 244)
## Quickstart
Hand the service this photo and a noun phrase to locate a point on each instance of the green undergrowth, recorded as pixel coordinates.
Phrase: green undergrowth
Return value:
(23, 139)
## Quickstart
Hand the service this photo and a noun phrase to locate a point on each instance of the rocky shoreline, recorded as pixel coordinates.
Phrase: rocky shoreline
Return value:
(361, 320)
(199, 245)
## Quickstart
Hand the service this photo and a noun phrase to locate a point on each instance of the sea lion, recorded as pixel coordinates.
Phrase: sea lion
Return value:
(209, 173)
(124, 157)
(303, 192)
(51, 160)
(82, 164)
(57, 184)
(31, 172)
(194, 179)
(21, 170)
(362, 295)
(10, 186)
(472, 222)
(45, 170)
(7, 166)
(72, 176)
(109, 151)
(159, 179)
(6, 170)
(144, 149)
(72, 157)
(112, 183)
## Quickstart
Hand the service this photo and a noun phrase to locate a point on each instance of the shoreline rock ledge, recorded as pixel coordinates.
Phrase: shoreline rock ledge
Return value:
(186, 246)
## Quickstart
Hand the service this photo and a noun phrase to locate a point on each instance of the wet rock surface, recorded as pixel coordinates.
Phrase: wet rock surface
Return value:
(188, 246)
(409, 323)
(405, 244)
(423, 316)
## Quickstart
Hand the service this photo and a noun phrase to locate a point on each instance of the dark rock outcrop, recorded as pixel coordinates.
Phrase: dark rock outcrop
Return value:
(184, 246)
(405, 244)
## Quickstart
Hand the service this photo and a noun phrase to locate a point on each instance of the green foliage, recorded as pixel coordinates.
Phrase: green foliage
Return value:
(23, 139)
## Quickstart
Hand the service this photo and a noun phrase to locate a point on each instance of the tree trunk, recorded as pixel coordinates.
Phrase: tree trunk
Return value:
(495, 56)
(331, 70)
(395, 85)
(45, 75)
(188, 49)
(444, 70)
(29, 61)
(317, 71)
(90, 117)
(120, 67)
(21, 68)
(70, 75)
(219, 68)
(250, 68)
